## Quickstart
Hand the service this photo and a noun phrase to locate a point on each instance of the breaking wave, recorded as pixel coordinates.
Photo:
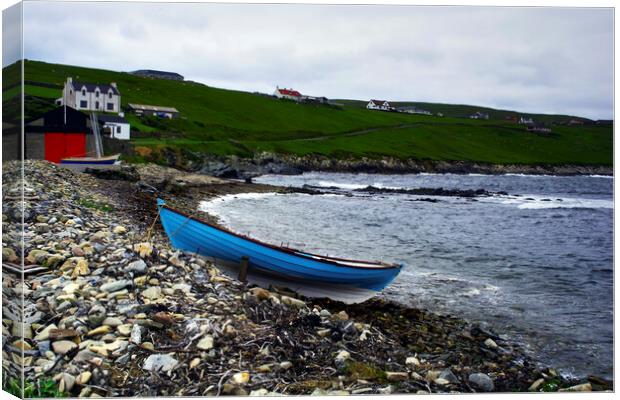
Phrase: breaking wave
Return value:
(539, 202)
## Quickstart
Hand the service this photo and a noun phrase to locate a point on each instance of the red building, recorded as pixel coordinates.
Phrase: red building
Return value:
(60, 133)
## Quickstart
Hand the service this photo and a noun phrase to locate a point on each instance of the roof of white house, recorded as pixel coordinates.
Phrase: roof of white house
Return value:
(145, 107)
(112, 118)
(379, 101)
(288, 92)
(90, 87)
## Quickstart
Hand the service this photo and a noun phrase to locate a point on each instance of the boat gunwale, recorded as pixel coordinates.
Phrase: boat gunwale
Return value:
(373, 265)
(91, 159)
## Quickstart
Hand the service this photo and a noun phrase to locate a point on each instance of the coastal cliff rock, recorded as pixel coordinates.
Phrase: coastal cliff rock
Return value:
(290, 164)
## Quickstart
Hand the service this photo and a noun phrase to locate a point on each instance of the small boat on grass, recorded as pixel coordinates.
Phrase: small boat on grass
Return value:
(194, 235)
(107, 160)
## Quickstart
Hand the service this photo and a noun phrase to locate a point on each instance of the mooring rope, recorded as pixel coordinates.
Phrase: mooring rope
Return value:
(149, 231)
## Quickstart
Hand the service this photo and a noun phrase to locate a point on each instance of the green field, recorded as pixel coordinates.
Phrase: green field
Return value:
(219, 121)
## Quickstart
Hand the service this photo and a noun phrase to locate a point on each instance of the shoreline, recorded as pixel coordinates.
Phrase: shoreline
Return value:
(287, 164)
(207, 333)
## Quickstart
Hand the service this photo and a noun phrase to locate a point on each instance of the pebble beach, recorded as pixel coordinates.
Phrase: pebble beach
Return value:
(110, 309)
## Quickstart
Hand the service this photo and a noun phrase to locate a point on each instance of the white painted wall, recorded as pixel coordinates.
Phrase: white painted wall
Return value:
(285, 96)
(372, 106)
(74, 97)
(124, 133)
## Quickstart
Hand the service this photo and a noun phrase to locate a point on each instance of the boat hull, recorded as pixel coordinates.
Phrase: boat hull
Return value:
(191, 235)
(91, 160)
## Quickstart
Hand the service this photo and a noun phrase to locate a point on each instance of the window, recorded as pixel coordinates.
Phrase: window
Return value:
(97, 94)
(110, 95)
(96, 105)
(118, 129)
(110, 106)
(83, 92)
(83, 104)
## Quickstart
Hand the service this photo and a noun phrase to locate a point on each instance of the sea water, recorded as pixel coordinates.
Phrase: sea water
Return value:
(535, 264)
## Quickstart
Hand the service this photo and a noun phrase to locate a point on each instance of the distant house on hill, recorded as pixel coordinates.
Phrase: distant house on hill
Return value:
(479, 115)
(313, 99)
(90, 96)
(382, 105)
(151, 73)
(158, 111)
(538, 128)
(575, 122)
(526, 121)
(413, 110)
(115, 126)
(289, 94)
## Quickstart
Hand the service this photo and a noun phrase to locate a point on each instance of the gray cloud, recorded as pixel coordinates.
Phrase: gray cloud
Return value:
(557, 60)
(11, 35)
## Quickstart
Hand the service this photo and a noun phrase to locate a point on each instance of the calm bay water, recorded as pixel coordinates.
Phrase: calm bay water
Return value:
(536, 265)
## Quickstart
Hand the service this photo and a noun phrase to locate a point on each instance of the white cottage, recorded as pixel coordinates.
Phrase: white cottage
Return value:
(289, 94)
(115, 126)
(378, 105)
(91, 96)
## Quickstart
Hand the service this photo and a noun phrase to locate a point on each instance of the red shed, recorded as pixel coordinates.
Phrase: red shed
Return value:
(63, 133)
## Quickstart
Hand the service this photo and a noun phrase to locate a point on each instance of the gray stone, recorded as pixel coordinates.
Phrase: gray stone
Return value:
(136, 334)
(325, 313)
(536, 384)
(284, 365)
(138, 267)
(449, 376)
(160, 362)
(63, 346)
(584, 387)
(115, 286)
(44, 346)
(112, 321)
(386, 390)
(96, 315)
(206, 343)
(183, 287)
(64, 306)
(490, 343)
(152, 293)
(482, 382)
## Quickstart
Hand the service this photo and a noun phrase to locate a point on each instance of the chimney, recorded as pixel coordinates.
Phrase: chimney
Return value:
(113, 84)
(69, 80)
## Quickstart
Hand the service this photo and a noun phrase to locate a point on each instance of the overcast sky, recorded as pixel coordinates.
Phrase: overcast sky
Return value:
(552, 60)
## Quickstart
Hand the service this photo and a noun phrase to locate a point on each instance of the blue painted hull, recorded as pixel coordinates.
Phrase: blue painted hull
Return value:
(192, 235)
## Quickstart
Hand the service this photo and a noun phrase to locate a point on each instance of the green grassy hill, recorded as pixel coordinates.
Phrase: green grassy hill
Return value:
(220, 121)
(464, 111)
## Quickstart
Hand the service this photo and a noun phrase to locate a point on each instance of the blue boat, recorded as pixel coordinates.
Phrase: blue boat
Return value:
(193, 235)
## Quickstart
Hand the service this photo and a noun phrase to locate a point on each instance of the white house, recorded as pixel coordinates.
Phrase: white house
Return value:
(156, 111)
(378, 105)
(526, 121)
(413, 110)
(289, 94)
(91, 96)
(115, 126)
(479, 115)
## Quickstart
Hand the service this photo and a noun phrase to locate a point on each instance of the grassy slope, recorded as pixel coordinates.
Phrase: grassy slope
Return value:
(230, 122)
(464, 111)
